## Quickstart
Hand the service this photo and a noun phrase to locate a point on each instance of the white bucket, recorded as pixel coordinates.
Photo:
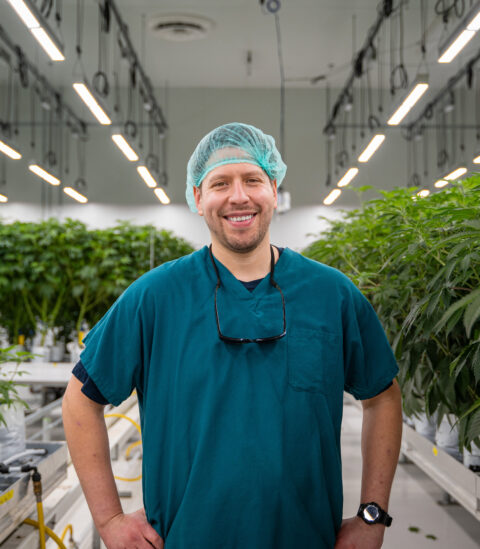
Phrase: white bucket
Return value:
(446, 437)
(12, 437)
(425, 426)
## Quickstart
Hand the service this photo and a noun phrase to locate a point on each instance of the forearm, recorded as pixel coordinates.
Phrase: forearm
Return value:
(87, 439)
(381, 439)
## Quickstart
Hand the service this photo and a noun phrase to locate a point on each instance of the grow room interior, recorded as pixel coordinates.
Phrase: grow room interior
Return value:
(374, 106)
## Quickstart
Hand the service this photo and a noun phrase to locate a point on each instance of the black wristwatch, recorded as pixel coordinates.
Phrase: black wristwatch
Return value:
(372, 513)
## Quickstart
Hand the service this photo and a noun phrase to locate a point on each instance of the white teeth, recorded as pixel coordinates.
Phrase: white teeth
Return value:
(241, 218)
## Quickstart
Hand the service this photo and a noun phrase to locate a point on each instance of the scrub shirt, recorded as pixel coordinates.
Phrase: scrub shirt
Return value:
(241, 443)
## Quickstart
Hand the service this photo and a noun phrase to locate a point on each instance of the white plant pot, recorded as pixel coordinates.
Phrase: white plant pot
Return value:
(41, 352)
(425, 426)
(408, 420)
(472, 459)
(57, 352)
(446, 437)
(12, 437)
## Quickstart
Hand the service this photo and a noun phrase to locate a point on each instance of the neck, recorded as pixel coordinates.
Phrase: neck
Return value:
(246, 266)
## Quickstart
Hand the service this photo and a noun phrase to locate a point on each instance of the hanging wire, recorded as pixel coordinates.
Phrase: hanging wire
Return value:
(380, 76)
(398, 73)
(453, 134)
(100, 81)
(477, 105)
(463, 124)
(78, 69)
(354, 110)
(117, 67)
(282, 87)
(16, 107)
(425, 154)
(33, 97)
(7, 128)
(444, 8)
(328, 148)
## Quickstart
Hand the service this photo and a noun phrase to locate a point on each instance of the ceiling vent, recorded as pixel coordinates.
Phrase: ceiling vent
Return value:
(180, 27)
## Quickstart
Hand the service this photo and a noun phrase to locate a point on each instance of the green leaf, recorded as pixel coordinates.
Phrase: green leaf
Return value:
(472, 313)
(461, 303)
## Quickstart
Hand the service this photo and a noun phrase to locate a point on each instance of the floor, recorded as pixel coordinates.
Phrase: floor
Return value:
(414, 502)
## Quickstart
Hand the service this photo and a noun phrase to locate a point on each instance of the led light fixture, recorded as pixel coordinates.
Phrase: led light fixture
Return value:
(3, 198)
(347, 178)
(35, 22)
(420, 86)
(11, 153)
(332, 196)
(147, 176)
(92, 103)
(124, 146)
(423, 193)
(46, 176)
(456, 174)
(371, 148)
(476, 160)
(462, 35)
(75, 195)
(161, 195)
(440, 183)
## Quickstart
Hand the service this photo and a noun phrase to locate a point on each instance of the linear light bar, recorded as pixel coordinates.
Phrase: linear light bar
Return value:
(347, 178)
(75, 195)
(24, 12)
(440, 183)
(371, 148)
(48, 44)
(12, 153)
(46, 176)
(456, 174)
(34, 21)
(333, 195)
(124, 146)
(89, 100)
(147, 176)
(3, 198)
(474, 24)
(408, 103)
(456, 46)
(476, 160)
(423, 193)
(161, 195)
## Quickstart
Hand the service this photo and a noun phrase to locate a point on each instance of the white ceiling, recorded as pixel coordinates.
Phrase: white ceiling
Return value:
(316, 40)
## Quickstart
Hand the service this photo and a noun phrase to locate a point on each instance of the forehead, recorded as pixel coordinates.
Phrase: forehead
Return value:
(231, 170)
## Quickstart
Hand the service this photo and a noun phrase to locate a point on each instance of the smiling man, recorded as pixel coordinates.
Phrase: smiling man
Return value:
(240, 354)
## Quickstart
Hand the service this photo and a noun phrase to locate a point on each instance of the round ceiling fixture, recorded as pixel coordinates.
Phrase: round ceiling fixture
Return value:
(180, 27)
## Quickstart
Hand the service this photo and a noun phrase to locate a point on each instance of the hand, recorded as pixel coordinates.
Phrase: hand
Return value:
(356, 534)
(130, 531)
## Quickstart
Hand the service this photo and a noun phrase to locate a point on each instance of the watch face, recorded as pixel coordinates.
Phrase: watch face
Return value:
(371, 513)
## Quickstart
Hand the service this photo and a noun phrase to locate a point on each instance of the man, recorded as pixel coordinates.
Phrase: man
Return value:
(240, 354)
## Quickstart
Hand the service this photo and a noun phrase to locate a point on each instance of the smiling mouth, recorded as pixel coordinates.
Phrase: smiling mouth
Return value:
(239, 218)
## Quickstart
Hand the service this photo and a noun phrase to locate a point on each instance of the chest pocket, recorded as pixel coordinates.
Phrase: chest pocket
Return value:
(314, 360)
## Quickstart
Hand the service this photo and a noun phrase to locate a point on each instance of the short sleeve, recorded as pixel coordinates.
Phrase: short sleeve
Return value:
(113, 354)
(369, 361)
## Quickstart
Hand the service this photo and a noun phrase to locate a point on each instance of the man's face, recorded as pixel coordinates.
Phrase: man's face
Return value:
(237, 201)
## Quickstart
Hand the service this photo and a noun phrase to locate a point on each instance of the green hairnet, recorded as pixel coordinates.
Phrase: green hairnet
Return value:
(233, 143)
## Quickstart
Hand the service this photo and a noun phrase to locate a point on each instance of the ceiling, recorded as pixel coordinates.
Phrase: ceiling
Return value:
(316, 37)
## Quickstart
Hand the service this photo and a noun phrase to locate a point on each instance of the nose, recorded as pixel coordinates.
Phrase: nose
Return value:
(238, 193)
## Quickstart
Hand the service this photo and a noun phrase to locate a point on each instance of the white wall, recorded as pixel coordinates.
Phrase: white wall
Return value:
(295, 229)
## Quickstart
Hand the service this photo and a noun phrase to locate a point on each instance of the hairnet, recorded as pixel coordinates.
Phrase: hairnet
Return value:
(232, 144)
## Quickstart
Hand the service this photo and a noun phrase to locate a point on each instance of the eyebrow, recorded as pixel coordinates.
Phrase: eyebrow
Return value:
(257, 173)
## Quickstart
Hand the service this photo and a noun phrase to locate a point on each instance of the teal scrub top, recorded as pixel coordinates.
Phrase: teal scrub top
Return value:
(241, 443)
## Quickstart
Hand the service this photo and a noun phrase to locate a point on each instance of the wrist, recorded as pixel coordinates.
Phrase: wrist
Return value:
(371, 513)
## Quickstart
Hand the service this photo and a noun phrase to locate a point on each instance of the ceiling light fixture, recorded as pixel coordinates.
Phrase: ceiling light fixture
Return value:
(423, 193)
(371, 148)
(161, 195)
(420, 86)
(3, 198)
(462, 35)
(46, 176)
(92, 103)
(476, 160)
(147, 176)
(440, 183)
(332, 196)
(347, 177)
(38, 26)
(9, 151)
(456, 174)
(124, 146)
(75, 195)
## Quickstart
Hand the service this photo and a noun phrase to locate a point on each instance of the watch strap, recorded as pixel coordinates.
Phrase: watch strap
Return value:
(382, 518)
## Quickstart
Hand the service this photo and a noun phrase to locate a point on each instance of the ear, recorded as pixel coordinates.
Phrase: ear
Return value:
(275, 194)
(197, 194)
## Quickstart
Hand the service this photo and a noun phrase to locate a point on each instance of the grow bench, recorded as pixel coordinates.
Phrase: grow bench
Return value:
(451, 475)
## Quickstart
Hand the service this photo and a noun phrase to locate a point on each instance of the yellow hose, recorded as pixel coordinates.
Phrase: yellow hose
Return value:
(137, 427)
(65, 530)
(51, 533)
(131, 447)
(41, 524)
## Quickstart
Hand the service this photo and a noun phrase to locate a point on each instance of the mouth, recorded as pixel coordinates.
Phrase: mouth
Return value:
(240, 220)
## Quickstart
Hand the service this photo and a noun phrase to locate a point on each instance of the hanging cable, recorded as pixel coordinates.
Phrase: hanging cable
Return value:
(444, 8)
(398, 74)
(100, 79)
(282, 82)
